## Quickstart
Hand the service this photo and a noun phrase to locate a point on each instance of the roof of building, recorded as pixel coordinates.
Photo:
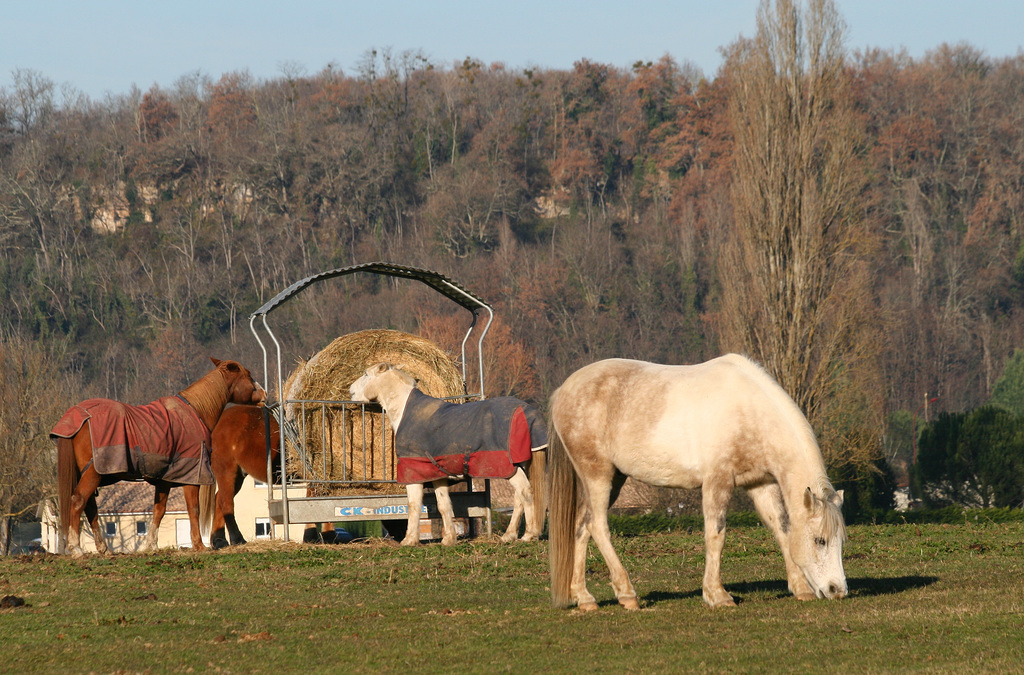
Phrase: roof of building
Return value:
(135, 497)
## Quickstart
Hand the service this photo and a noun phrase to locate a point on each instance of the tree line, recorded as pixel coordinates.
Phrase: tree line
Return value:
(853, 221)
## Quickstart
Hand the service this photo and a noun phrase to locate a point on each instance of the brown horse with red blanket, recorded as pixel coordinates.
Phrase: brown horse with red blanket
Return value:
(166, 442)
(239, 448)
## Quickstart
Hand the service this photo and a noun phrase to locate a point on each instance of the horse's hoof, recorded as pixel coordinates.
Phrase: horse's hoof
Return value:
(724, 600)
(446, 541)
(410, 542)
(806, 596)
(588, 606)
(508, 538)
(629, 603)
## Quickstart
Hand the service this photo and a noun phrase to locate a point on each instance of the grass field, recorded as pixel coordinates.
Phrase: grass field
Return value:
(923, 598)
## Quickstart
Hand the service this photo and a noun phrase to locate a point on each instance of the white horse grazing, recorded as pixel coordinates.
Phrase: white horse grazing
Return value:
(436, 440)
(714, 425)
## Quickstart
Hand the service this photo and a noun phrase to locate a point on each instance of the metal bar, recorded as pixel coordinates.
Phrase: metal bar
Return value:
(323, 441)
(284, 473)
(266, 388)
(480, 350)
(365, 477)
(469, 331)
(344, 442)
(437, 281)
(270, 461)
(384, 445)
(263, 348)
(480, 343)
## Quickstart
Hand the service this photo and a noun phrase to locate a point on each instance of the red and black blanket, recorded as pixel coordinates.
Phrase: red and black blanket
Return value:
(483, 439)
(163, 440)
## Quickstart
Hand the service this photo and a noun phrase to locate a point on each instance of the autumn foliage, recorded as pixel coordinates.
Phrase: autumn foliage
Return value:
(591, 207)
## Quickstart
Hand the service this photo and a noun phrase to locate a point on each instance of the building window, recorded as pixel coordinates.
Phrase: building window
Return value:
(110, 528)
(141, 528)
(263, 528)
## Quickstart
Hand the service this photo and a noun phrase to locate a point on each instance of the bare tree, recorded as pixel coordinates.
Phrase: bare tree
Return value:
(34, 393)
(795, 292)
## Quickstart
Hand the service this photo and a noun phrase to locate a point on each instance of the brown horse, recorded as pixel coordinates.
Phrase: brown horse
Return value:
(161, 442)
(240, 449)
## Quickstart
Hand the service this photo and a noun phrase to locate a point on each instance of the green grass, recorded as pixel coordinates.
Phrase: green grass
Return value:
(923, 597)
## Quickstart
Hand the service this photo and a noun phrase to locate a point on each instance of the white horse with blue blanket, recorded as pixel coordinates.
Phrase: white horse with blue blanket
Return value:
(714, 425)
(436, 441)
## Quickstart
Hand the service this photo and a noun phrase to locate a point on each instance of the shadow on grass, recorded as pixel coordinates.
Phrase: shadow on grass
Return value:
(869, 586)
(862, 587)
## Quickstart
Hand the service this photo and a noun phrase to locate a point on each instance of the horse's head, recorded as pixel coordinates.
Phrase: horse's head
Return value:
(816, 542)
(379, 380)
(367, 388)
(242, 388)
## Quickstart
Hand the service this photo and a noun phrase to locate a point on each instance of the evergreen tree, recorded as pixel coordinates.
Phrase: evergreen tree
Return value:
(1008, 391)
(973, 459)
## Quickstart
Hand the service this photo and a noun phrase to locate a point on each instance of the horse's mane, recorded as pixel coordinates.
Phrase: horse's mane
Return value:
(794, 416)
(832, 524)
(208, 394)
(772, 388)
(403, 374)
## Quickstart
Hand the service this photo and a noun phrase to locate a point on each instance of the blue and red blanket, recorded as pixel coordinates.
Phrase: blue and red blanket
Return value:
(482, 439)
(163, 440)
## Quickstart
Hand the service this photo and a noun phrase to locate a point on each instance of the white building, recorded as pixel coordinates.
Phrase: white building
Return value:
(126, 516)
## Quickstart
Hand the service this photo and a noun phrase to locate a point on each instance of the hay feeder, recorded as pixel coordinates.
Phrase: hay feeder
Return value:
(341, 450)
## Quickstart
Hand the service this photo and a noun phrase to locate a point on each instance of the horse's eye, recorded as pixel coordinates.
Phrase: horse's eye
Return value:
(820, 541)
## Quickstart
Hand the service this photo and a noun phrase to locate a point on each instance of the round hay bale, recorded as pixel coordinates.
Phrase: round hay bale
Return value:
(340, 443)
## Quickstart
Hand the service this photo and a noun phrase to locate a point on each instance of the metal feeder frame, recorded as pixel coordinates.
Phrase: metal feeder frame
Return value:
(368, 507)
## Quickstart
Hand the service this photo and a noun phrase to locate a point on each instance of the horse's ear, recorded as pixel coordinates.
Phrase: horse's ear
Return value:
(808, 499)
(216, 362)
(836, 498)
(382, 367)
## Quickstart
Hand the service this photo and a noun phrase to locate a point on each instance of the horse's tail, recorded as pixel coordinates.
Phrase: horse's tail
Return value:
(207, 507)
(563, 505)
(67, 481)
(538, 473)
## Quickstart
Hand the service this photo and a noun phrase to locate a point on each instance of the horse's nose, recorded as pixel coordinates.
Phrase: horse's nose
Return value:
(836, 591)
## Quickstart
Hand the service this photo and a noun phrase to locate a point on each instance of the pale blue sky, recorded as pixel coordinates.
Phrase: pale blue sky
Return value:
(106, 46)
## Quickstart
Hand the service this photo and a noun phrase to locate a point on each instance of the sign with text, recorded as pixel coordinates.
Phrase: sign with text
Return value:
(393, 510)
